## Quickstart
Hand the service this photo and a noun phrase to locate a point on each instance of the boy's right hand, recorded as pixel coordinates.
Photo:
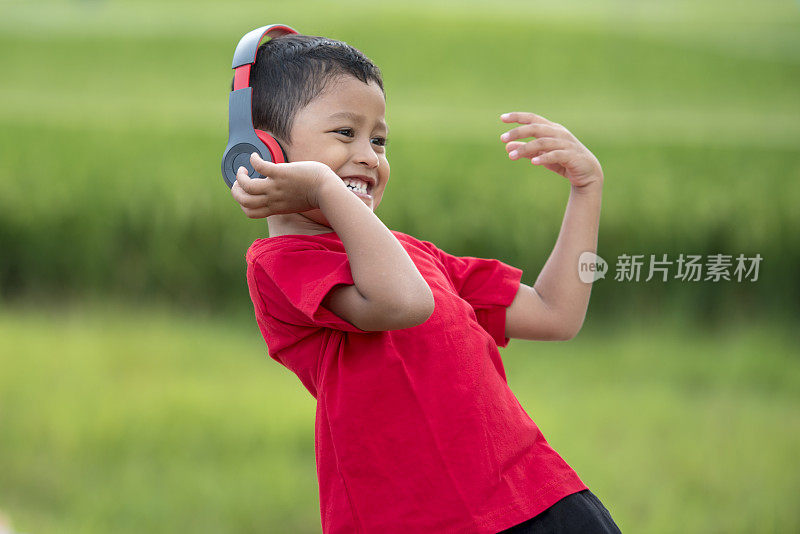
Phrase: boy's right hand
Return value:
(286, 187)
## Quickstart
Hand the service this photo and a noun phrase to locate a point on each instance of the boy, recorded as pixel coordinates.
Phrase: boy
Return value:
(416, 428)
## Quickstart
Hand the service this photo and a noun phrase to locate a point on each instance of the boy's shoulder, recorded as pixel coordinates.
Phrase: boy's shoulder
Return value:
(420, 243)
(291, 242)
(322, 248)
(315, 241)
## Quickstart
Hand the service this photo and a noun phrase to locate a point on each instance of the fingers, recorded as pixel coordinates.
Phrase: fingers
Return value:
(259, 213)
(533, 148)
(250, 185)
(552, 157)
(247, 200)
(532, 130)
(266, 168)
(251, 194)
(254, 206)
(523, 117)
(514, 145)
(551, 141)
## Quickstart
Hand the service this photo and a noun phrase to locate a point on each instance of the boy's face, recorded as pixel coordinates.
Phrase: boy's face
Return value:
(345, 128)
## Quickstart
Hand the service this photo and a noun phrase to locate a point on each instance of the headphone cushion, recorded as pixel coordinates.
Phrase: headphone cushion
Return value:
(275, 149)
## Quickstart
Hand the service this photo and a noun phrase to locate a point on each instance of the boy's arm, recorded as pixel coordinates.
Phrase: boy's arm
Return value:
(388, 292)
(555, 307)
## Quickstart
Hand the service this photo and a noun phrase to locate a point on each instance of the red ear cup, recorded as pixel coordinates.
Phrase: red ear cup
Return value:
(275, 149)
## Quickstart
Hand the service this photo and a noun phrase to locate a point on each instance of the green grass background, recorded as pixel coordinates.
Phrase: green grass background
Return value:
(155, 408)
(144, 420)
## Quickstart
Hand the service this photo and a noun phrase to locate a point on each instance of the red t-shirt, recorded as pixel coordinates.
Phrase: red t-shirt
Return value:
(416, 429)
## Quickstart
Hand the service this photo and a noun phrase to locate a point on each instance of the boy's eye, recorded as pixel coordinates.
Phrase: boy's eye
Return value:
(380, 141)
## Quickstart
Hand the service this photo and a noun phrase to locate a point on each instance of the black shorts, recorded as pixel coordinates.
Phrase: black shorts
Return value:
(580, 512)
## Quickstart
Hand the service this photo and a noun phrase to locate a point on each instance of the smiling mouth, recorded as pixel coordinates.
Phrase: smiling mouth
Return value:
(358, 186)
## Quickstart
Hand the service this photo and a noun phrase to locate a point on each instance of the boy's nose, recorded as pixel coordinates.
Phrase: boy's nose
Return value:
(366, 154)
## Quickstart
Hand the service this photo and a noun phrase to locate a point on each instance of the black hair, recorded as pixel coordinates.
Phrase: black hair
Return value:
(291, 70)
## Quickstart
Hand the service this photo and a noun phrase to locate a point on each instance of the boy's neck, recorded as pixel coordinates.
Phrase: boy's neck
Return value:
(294, 224)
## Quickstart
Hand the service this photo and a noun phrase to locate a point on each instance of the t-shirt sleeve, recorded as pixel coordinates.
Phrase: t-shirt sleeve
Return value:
(488, 285)
(293, 281)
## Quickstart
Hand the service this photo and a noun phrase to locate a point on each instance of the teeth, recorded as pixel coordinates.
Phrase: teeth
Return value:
(356, 185)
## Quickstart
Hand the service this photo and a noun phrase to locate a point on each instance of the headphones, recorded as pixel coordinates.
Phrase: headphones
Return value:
(243, 139)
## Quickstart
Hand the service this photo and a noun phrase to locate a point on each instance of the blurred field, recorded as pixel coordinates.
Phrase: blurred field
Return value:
(123, 420)
(113, 120)
(156, 409)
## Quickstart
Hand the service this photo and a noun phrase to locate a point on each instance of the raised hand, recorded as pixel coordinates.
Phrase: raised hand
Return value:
(286, 187)
(554, 147)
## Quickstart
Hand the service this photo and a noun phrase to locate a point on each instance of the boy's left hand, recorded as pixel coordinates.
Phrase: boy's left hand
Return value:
(554, 147)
